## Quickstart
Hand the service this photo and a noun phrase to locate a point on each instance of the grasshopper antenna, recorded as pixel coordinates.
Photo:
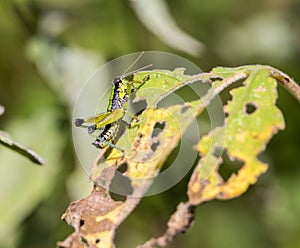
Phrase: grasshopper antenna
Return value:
(126, 73)
(142, 68)
(133, 63)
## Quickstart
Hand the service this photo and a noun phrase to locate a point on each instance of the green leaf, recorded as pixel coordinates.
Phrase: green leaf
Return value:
(161, 84)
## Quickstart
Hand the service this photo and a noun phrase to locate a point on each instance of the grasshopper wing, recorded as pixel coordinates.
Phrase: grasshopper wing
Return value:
(113, 116)
(100, 120)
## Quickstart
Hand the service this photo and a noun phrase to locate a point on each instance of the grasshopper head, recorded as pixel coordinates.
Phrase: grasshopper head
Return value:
(117, 81)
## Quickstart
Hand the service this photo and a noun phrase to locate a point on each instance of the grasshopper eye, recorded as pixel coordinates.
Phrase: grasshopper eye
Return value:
(117, 81)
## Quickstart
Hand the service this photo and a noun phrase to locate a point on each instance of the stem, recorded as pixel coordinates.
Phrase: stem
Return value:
(287, 82)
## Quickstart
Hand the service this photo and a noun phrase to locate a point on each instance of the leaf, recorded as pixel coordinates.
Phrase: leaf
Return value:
(26, 152)
(252, 120)
(206, 183)
(137, 141)
(143, 162)
(161, 84)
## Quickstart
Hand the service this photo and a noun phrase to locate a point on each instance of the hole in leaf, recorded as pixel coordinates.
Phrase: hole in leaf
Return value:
(214, 79)
(122, 168)
(226, 94)
(218, 151)
(120, 187)
(155, 145)
(81, 222)
(159, 126)
(229, 166)
(117, 197)
(84, 241)
(250, 108)
(97, 241)
(184, 109)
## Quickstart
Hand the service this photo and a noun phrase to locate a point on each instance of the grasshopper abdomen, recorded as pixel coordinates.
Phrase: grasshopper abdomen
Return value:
(107, 136)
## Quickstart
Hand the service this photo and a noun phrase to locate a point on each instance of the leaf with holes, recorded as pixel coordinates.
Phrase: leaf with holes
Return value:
(140, 145)
(145, 151)
(252, 120)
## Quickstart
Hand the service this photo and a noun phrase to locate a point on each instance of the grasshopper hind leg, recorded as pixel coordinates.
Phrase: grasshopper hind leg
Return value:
(79, 122)
(92, 129)
(101, 143)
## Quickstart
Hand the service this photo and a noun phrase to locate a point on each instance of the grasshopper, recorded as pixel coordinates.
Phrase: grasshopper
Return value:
(109, 121)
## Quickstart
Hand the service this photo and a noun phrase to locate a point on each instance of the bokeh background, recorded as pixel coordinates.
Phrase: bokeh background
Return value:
(48, 48)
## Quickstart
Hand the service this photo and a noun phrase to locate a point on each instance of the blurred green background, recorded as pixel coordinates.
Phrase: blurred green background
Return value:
(48, 48)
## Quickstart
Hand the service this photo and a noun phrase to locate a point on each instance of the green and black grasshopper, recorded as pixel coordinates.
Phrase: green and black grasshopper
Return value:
(109, 121)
